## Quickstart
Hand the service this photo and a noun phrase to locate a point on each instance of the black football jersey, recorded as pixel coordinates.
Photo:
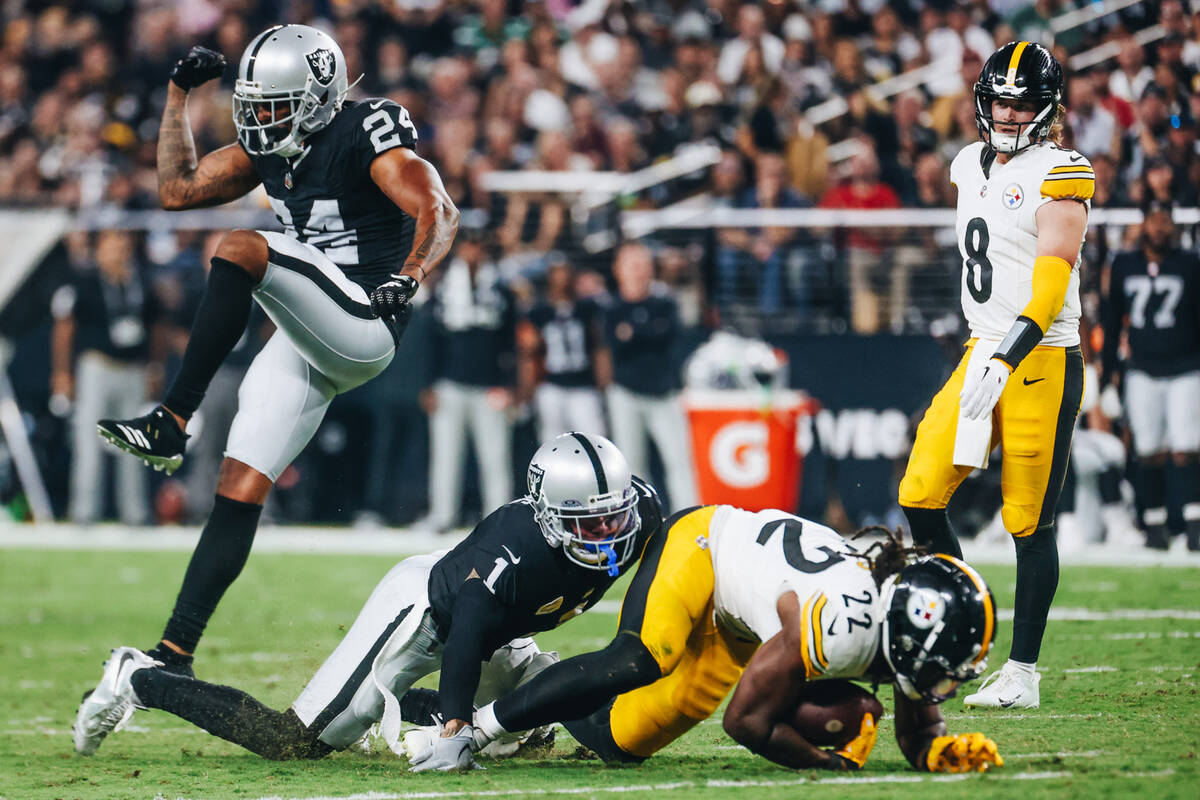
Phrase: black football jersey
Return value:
(1161, 302)
(569, 332)
(538, 585)
(325, 197)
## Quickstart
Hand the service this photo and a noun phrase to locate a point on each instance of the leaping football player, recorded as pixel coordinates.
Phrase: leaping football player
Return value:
(365, 220)
(530, 566)
(1023, 205)
(775, 604)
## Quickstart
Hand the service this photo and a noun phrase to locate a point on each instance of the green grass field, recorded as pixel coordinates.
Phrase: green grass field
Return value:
(1120, 712)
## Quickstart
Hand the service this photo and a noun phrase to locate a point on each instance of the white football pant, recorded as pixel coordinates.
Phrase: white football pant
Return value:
(327, 343)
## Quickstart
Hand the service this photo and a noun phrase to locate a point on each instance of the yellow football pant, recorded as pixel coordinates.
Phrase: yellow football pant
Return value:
(672, 613)
(1033, 422)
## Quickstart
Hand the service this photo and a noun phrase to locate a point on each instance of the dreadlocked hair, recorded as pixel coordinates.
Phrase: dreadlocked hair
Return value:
(888, 556)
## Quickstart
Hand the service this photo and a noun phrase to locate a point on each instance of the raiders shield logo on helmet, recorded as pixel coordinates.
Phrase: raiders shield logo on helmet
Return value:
(321, 62)
(535, 477)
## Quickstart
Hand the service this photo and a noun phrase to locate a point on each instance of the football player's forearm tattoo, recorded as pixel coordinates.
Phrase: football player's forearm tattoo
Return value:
(438, 228)
(176, 152)
(183, 182)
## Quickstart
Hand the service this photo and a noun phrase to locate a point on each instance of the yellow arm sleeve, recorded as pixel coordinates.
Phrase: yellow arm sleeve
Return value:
(1051, 276)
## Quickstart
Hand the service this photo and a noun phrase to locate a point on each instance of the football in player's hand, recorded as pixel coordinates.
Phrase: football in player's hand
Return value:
(830, 713)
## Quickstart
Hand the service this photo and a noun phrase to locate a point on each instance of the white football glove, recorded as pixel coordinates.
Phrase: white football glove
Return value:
(982, 388)
(448, 753)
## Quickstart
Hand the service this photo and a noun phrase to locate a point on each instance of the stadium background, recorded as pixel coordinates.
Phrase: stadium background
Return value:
(560, 129)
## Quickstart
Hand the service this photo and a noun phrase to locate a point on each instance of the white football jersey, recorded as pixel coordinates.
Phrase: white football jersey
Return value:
(997, 233)
(758, 557)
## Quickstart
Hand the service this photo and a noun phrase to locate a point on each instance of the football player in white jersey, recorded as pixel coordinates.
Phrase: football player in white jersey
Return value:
(1022, 213)
(778, 602)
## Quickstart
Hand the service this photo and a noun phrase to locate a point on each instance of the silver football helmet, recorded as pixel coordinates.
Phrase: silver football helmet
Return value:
(584, 500)
(291, 82)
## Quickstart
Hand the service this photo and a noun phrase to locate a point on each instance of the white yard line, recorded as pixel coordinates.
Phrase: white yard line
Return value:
(1000, 715)
(409, 541)
(713, 784)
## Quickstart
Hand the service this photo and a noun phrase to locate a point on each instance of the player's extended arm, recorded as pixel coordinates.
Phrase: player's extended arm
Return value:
(921, 734)
(476, 616)
(185, 182)
(414, 185)
(767, 693)
(1061, 225)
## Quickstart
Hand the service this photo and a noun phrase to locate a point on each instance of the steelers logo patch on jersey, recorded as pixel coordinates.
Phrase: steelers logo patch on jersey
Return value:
(1013, 196)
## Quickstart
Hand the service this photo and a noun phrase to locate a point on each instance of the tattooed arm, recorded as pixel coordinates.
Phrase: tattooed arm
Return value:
(413, 184)
(185, 182)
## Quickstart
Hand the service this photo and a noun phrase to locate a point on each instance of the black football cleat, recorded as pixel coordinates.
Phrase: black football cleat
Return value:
(155, 438)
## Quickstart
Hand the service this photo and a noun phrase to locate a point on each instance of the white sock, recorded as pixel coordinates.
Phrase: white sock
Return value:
(487, 727)
(1022, 667)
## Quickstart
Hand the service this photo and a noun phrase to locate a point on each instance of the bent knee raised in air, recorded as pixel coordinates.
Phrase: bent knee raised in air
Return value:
(247, 249)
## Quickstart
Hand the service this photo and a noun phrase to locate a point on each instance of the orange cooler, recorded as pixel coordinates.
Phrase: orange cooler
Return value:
(744, 446)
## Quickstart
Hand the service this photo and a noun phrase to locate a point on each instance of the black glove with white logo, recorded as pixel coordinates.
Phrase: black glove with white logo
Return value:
(199, 66)
(389, 298)
(390, 302)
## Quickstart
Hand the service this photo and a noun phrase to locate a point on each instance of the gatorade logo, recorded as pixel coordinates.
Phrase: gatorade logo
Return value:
(738, 454)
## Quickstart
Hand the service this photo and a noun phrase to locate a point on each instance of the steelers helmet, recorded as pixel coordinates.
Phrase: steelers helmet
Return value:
(584, 500)
(1018, 71)
(939, 620)
(291, 82)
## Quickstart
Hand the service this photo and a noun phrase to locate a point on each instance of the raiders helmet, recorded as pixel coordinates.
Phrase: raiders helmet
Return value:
(291, 82)
(1018, 71)
(939, 619)
(584, 500)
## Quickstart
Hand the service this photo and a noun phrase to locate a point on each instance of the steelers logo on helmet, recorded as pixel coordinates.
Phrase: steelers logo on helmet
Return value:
(1024, 73)
(925, 608)
(939, 621)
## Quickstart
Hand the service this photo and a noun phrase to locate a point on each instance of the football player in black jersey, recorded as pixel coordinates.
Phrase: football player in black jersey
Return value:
(365, 220)
(559, 342)
(530, 566)
(1154, 296)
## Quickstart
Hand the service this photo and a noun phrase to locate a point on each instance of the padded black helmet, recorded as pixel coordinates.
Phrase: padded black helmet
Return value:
(938, 625)
(1018, 71)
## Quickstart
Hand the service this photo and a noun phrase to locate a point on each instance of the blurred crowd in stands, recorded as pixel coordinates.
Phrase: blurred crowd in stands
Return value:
(782, 88)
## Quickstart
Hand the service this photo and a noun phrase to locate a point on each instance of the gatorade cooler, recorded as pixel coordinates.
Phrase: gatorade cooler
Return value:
(744, 446)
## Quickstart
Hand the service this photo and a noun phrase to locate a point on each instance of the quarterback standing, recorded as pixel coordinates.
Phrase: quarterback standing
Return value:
(1022, 213)
(365, 219)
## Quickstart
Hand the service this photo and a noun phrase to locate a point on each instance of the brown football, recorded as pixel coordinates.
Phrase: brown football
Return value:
(830, 712)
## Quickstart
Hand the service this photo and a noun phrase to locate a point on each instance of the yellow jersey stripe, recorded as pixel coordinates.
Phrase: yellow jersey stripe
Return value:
(989, 613)
(818, 652)
(805, 633)
(1073, 168)
(1062, 188)
(1011, 77)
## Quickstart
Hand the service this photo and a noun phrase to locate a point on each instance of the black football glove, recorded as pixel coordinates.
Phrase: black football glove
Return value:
(199, 66)
(391, 299)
